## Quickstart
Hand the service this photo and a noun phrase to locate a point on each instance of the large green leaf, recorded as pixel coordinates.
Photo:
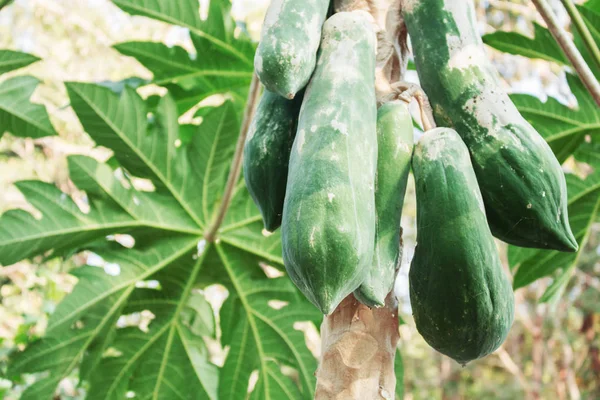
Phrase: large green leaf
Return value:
(216, 29)
(17, 114)
(584, 209)
(170, 359)
(258, 333)
(222, 62)
(541, 46)
(11, 60)
(562, 127)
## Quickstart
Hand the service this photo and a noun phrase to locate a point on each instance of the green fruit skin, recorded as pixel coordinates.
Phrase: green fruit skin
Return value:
(394, 152)
(462, 301)
(267, 154)
(328, 228)
(522, 183)
(287, 52)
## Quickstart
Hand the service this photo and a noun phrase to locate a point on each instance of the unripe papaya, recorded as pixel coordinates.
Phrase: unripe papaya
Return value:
(267, 154)
(328, 227)
(522, 183)
(287, 52)
(394, 152)
(461, 299)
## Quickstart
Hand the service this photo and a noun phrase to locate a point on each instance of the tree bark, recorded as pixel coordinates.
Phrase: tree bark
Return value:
(357, 352)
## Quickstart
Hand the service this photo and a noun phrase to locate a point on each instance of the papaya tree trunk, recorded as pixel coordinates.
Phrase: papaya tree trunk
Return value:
(358, 346)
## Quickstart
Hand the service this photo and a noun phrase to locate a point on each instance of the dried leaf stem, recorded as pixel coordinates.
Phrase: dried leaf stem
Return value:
(583, 30)
(568, 47)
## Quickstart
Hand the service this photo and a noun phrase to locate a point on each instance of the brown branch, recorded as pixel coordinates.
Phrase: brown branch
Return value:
(569, 49)
(538, 356)
(236, 163)
(512, 367)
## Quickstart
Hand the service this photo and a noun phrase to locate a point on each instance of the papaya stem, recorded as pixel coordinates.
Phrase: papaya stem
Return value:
(358, 346)
(236, 163)
(583, 30)
(569, 49)
(406, 91)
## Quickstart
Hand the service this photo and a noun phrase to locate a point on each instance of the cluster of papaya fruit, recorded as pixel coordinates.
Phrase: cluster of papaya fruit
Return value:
(331, 169)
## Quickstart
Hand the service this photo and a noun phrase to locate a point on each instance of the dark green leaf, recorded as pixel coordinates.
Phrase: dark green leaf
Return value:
(542, 45)
(11, 60)
(584, 206)
(562, 127)
(17, 115)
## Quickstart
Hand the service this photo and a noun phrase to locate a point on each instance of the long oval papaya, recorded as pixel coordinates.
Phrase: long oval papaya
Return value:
(287, 52)
(267, 154)
(461, 299)
(328, 227)
(522, 183)
(394, 152)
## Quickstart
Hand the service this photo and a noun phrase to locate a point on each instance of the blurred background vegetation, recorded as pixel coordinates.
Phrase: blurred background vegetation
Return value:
(552, 351)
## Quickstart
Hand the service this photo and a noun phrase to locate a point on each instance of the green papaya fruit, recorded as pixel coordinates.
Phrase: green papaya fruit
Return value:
(522, 183)
(328, 227)
(267, 154)
(462, 301)
(394, 152)
(287, 52)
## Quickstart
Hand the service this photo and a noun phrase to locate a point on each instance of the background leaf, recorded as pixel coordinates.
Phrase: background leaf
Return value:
(541, 46)
(17, 115)
(11, 60)
(562, 127)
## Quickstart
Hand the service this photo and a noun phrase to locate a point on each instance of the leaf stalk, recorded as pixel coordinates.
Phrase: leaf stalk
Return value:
(236, 163)
(568, 47)
(583, 30)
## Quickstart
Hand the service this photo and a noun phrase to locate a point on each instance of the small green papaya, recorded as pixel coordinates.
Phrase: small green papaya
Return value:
(287, 52)
(462, 301)
(267, 154)
(521, 180)
(394, 152)
(328, 227)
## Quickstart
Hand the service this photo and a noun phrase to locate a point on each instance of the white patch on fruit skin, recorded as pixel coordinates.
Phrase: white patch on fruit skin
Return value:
(435, 149)
(544, 193)
(273, 13)
(258, 63)
(340, 127)
(479, 198)
(529, 205)
(465, 57)
(330, 196)
(301, 140)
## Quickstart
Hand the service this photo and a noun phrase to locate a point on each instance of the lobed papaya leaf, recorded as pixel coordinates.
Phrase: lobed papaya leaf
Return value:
(161, 276)
(564, 128)
(584, 210)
